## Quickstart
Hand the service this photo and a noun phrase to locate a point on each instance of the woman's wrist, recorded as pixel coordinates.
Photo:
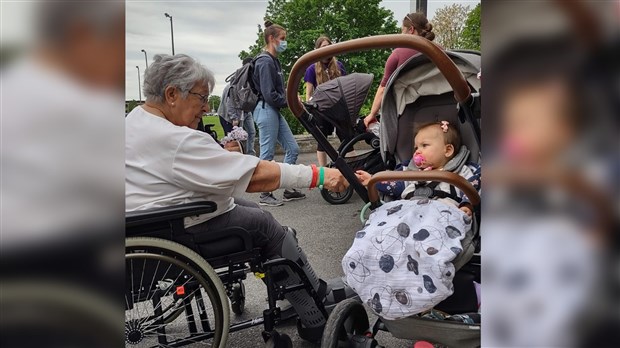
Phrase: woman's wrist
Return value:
(315, 176)
(295, 176)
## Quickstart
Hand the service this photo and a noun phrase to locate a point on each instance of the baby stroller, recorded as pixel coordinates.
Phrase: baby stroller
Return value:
(338, 102)
(418, 92)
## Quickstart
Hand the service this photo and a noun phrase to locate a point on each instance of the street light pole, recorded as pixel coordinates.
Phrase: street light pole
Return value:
(420, 6)
(171, 31)
(139, 89)
(146, 62)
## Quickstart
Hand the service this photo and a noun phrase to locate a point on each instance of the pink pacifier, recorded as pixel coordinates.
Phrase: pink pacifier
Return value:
(418, 160)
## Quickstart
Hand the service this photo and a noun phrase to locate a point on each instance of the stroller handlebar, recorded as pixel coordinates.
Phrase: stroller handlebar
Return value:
(436, 54)
(431, 175)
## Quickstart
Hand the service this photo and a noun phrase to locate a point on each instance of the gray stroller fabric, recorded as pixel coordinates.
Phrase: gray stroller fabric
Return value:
(416, 78)
(339, 101)
(427, 80)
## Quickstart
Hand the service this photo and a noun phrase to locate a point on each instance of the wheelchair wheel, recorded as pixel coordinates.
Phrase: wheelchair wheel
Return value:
(172, 296)
(337, 197)
(348, 318)
(237, 298)
(279, 340)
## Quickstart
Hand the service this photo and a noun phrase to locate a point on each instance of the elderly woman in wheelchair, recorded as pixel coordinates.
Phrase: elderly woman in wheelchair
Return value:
(183, 223)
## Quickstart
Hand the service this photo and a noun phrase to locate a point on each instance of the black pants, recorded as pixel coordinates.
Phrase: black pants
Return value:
(226, 126)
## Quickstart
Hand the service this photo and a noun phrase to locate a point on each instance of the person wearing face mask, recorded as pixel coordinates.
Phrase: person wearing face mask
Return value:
(316, 74)
(272, 127)
(413, 24)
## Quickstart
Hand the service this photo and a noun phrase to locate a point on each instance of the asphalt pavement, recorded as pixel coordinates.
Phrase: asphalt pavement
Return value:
(325, 233)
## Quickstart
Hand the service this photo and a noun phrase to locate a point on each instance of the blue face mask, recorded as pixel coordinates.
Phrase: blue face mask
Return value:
(281, 46)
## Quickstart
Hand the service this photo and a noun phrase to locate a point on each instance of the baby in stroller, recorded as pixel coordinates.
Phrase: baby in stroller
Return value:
(437, 145)
(404, 260)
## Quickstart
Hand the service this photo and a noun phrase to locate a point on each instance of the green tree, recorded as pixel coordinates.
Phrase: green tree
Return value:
(130, 105)
(340, 20)
(214, 102)
(448, 24)
(470, 38)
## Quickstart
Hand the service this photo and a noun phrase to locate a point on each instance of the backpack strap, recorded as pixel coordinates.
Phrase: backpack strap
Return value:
(262, 54)
(230, 77)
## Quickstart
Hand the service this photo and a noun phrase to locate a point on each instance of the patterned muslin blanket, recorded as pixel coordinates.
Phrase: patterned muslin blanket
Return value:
(400, 263)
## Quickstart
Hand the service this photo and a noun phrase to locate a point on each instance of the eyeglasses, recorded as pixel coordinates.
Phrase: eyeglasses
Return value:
(204, 98)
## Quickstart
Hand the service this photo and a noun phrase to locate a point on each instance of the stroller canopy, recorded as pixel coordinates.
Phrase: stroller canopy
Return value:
(417, 93)
(339, 101)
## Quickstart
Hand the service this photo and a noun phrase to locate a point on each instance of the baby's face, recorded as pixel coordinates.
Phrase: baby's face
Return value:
(429, 142)
(535, 129)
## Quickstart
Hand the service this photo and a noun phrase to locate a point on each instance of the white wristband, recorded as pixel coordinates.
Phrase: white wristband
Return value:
(295, 175)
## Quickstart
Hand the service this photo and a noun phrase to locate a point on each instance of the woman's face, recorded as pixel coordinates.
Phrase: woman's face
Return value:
(188, 111)
(324, 44)
(276, 39)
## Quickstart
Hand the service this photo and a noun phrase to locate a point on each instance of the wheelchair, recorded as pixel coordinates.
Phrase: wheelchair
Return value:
(178, 285)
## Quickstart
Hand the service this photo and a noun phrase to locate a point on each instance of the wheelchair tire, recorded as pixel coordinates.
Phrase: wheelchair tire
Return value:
(337, 197)
(237, 298)
(347, 319)
(279, 340)
(175, 269)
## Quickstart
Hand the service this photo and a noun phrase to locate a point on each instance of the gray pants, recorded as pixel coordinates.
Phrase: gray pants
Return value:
(275, 241)
(266, 232)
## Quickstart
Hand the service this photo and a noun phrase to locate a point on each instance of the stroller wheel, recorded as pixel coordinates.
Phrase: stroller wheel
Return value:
(375, 143)
(346, 320)
(337, 197)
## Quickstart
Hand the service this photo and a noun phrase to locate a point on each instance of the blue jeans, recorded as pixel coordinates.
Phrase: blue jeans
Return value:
(272, 129)
(248, 125)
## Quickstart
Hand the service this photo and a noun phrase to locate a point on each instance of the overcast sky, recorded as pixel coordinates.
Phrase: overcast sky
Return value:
(214, 32)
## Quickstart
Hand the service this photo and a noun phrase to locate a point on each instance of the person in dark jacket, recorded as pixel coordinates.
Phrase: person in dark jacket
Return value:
(272, 127)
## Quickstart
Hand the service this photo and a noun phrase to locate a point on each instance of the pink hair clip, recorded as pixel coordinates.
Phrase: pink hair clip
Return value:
(444, 126)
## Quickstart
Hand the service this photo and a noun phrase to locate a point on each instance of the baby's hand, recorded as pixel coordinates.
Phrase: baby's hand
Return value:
(466, 210)
(363, 177)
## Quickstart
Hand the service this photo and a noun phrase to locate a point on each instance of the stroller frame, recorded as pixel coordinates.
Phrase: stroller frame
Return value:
(462, 91)
(348, 323)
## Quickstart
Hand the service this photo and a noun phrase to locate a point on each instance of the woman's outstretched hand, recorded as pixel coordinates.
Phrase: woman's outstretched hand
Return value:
(334, 181)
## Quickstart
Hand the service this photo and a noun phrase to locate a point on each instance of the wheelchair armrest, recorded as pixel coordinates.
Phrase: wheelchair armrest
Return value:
(136, 218)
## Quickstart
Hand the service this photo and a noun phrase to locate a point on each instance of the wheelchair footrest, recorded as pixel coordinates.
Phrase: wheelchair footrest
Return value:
(313, 334)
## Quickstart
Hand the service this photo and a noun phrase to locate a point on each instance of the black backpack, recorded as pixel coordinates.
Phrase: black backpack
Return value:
(242, 95)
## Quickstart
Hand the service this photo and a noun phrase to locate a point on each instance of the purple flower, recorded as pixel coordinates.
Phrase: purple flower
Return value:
(237, 133)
